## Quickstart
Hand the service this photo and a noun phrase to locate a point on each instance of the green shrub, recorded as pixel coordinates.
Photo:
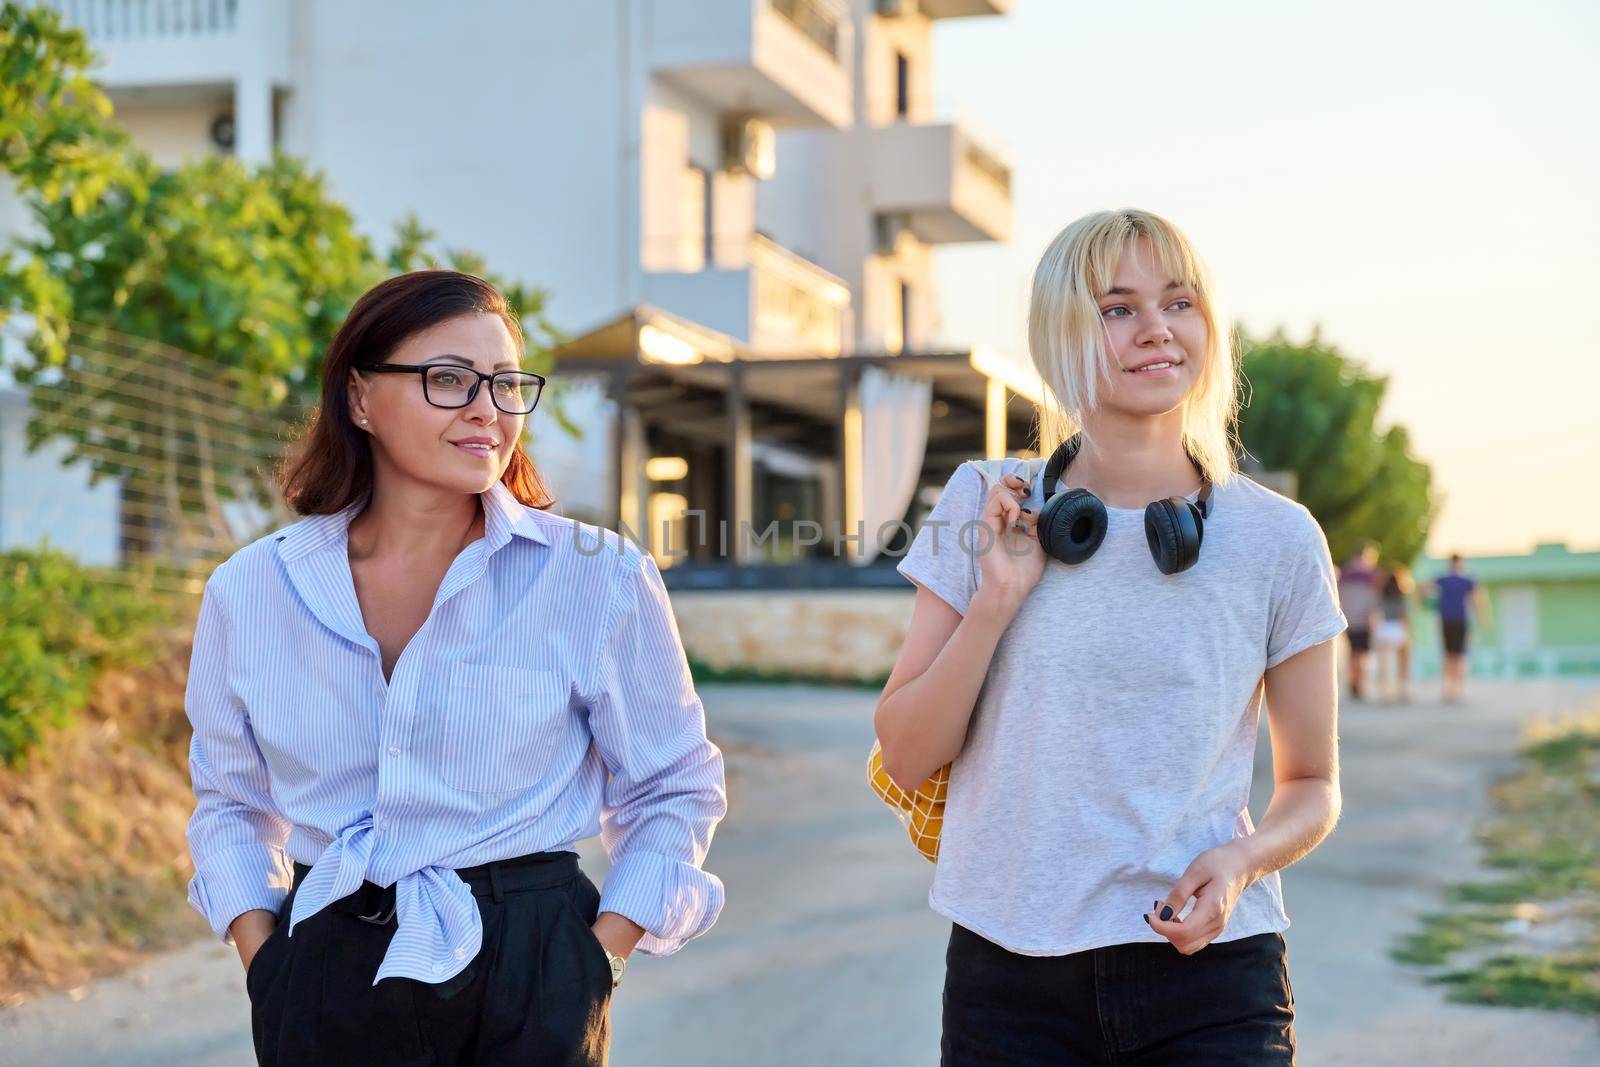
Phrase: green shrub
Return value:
(61, 624)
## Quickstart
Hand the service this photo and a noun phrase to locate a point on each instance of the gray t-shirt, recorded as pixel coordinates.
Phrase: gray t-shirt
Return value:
(1114, 733)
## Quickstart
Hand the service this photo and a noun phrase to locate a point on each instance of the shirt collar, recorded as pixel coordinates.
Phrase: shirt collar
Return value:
(504, 517)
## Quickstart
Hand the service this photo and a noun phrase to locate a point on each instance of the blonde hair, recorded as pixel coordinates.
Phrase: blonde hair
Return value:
(1066, 335)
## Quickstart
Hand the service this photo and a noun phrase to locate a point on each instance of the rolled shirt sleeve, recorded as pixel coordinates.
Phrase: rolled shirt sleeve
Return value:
(666, 791)
(236, 833)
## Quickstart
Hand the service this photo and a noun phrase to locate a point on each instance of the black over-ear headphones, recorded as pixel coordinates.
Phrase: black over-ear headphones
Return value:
(1072, 525)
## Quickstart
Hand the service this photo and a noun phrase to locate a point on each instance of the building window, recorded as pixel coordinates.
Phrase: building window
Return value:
(902, 85)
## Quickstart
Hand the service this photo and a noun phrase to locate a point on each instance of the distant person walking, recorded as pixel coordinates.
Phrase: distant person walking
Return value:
(1392, 636)
(1358, 599)
(1455, 592)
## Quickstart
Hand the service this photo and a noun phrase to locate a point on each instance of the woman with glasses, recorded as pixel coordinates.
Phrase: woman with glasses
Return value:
(410, 705)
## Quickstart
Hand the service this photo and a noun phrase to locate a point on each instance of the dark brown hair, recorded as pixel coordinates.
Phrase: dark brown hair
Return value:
(330, 467)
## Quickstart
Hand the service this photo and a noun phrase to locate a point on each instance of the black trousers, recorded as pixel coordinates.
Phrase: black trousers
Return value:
(538, 991)
(1137, 1004)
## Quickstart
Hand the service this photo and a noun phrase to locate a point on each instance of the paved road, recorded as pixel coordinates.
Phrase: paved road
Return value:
(827, 953)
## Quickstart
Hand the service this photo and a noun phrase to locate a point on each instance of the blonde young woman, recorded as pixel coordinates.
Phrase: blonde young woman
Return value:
(1111, 900)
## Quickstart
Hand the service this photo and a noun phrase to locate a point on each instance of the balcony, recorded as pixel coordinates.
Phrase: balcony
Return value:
(941, 181)
(786, 61)
(955, 9)
(760, 293)
(176, 45)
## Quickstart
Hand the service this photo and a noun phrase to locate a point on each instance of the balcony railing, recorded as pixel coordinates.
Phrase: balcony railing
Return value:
(985, 162)
(798, 305)
(764, 295)
(127, 20)
(941, 181)
(817, 19)
(786, 62)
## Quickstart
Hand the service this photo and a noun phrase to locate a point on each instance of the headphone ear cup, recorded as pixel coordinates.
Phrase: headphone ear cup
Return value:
(1072, 525)
(1174, 529)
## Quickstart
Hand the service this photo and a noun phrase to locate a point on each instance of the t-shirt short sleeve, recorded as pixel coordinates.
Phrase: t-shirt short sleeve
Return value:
(1305, 606)
(940, 557)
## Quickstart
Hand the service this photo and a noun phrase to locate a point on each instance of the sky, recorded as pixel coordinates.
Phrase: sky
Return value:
(1422, 180)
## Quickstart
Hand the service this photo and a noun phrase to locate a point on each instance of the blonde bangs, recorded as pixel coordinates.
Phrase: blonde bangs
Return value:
(1066, 336)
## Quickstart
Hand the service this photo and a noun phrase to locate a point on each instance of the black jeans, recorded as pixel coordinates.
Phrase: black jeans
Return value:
(1136, 1004)
(538, 991)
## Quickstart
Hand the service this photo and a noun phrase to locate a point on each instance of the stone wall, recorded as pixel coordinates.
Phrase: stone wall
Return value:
(838, 633)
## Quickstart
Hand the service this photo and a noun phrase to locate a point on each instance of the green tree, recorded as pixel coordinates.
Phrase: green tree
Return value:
(245, 272)
(1311, 410)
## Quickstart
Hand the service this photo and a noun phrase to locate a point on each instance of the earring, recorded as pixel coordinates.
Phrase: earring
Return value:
(363, 422)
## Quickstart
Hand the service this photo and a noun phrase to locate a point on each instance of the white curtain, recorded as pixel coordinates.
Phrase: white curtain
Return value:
(895, 411)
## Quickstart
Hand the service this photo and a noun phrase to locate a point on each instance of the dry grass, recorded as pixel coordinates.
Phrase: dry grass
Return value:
(93, 860)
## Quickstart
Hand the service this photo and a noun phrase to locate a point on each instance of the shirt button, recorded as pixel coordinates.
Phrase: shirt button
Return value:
(438, 967)
(461, 953)
(393, 751)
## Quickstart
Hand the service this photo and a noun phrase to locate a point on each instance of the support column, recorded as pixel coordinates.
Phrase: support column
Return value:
(627, 452)
(740, 477)
(847, 505)
(264, 25)
(252, 119)
(994, 419)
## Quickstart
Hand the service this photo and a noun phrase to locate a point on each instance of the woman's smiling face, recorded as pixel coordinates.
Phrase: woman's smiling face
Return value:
(1156, 334)
(423, 440)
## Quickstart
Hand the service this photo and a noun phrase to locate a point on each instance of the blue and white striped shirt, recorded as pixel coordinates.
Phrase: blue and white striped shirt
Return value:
(546, 698)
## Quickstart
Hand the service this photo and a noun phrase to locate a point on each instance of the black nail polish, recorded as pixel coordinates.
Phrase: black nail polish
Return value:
(1146, 919)
(1166, 913)
(1027, 511)
(1156, 905)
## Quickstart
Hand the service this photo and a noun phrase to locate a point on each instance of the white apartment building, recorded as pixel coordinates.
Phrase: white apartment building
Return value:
(734, 205)
(872, 201)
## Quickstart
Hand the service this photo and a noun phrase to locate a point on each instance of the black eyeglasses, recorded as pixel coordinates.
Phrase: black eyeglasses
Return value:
(448, 385)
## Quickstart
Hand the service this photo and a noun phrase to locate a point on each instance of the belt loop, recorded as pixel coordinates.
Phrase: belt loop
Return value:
(499, 890)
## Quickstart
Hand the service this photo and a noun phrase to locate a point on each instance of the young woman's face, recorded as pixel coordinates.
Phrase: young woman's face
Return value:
(1156, 334)
(422, 440)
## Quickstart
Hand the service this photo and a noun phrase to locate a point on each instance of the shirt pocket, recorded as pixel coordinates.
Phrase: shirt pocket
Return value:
(500, 725)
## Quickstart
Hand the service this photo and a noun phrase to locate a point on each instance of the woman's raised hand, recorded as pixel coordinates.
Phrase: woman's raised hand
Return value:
(1010, 559)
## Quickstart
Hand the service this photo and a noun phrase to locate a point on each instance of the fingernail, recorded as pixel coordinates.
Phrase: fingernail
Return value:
(1146, 919)
(1027, 511)
(1156, 905)
(1166, 913)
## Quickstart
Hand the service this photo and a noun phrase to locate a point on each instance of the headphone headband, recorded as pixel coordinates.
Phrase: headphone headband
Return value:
(1068, 450)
